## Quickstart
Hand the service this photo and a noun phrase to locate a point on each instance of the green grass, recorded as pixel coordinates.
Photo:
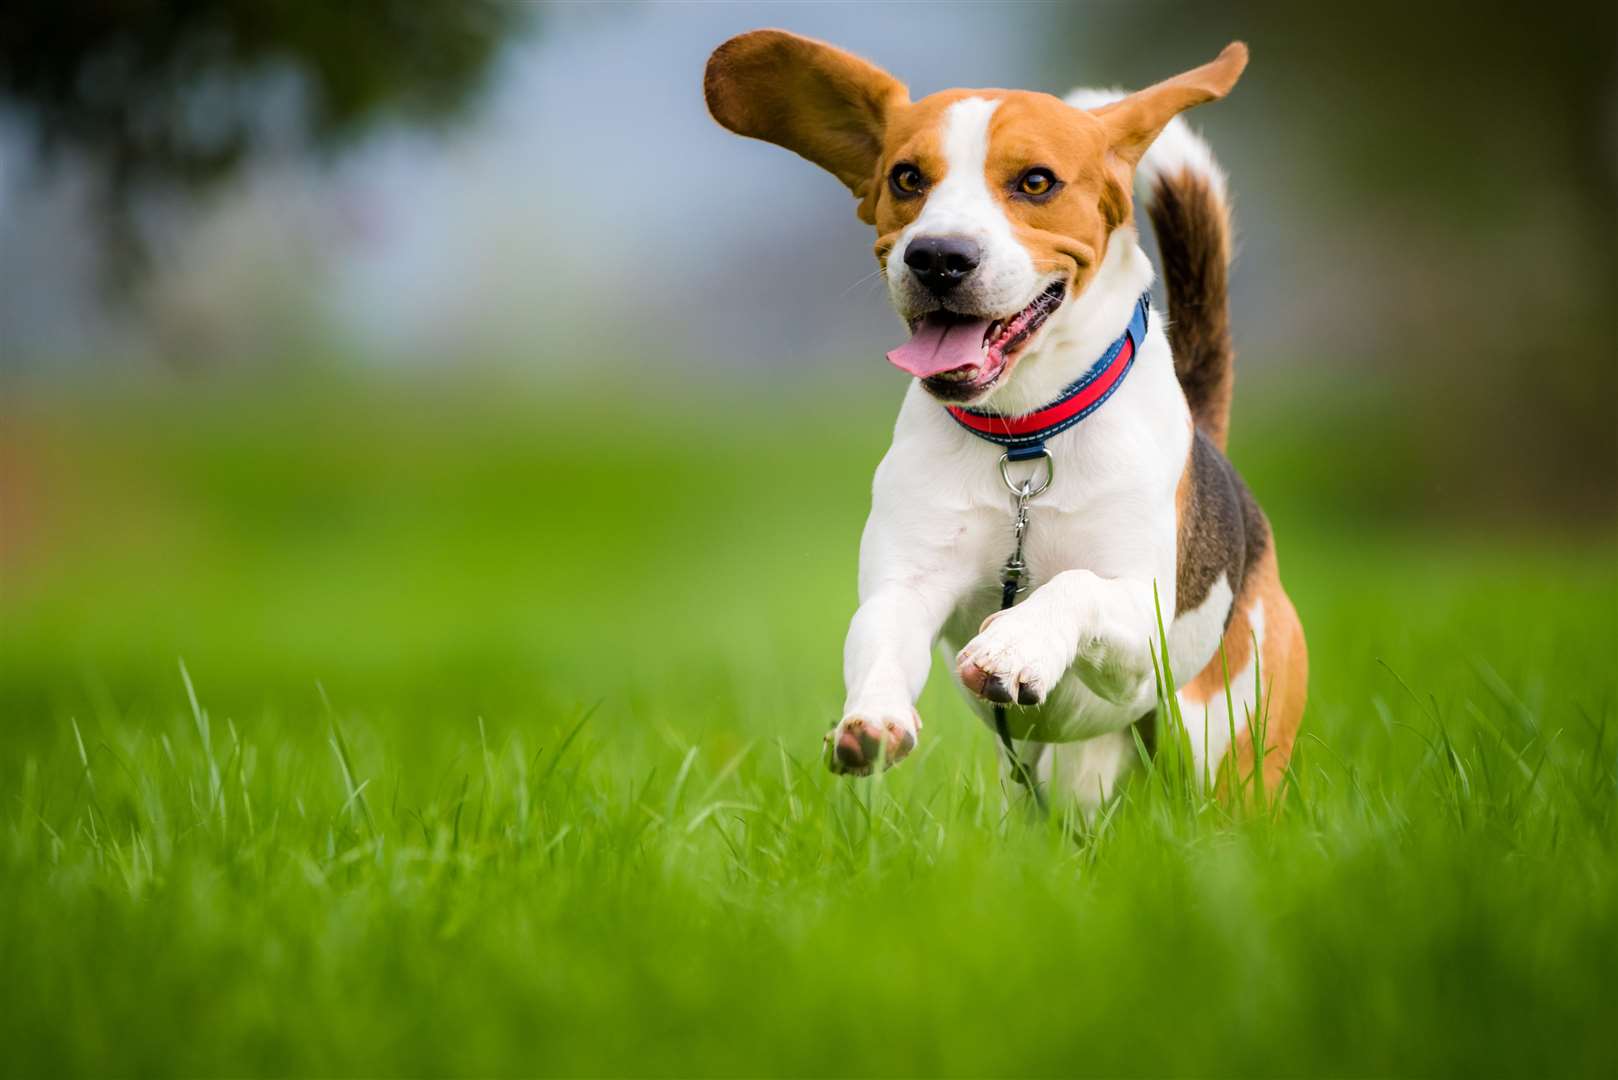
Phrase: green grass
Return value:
(495, 750)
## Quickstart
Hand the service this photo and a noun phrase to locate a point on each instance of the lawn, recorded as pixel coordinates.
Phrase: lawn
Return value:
(357, 730)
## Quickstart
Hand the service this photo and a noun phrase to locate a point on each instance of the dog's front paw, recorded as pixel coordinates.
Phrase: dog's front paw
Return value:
(1014, 658)
(858, 744)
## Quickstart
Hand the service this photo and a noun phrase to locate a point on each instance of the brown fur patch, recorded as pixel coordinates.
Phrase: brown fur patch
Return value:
(1221, 529)
(816, 100)
(1284, 674)
(1193, 240)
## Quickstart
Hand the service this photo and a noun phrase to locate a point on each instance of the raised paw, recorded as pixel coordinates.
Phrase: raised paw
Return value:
(857, 745)
(1011, 661)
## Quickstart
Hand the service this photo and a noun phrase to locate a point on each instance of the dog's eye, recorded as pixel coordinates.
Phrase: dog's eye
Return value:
(1036, 183)
(906, 179)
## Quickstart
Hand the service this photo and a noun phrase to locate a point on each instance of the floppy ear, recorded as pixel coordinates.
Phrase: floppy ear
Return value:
(1133, 122)
(817, 101)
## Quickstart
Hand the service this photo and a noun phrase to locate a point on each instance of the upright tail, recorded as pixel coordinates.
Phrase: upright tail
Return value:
(1190, 212)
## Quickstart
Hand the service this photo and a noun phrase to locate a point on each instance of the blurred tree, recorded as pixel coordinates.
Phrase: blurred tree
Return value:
(160, 96)
(1446, 207)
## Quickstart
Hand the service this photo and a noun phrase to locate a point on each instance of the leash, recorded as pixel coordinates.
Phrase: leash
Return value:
(1012, 576)
(1023, 438)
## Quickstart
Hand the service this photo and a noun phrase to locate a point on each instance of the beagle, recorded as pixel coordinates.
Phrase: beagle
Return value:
(1005, 229)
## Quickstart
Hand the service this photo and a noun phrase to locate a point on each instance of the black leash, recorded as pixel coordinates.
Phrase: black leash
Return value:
(1011, 583)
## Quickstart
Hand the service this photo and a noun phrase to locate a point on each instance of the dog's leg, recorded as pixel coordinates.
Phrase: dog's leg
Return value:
(885, 662)
(1103, 628)
(1088, 771)
(1080, 775)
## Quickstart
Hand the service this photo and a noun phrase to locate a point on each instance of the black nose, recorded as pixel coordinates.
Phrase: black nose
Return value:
(942, 262)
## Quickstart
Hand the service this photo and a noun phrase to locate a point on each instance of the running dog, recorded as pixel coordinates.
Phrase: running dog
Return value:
(1005, 227)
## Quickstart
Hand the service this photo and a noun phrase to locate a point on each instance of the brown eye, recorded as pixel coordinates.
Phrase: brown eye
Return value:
(906, 179)
(1036, 183)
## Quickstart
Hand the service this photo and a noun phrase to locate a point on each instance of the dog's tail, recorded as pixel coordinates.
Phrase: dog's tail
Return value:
(1190, 212)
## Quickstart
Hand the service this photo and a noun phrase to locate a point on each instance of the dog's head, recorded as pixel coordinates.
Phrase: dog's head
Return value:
(992, 207)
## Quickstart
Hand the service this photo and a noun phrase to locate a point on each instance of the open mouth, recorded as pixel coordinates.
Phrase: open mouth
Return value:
(958, 356)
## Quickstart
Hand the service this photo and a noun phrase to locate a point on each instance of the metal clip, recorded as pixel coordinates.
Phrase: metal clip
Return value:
(1016, 569)
(1027, 489)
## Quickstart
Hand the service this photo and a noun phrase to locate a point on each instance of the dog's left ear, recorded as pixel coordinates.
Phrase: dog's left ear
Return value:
(817, 101)
(1133, 122)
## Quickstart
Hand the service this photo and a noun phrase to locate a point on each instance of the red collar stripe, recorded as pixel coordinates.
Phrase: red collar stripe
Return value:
(1051, 415)
(1079, 400)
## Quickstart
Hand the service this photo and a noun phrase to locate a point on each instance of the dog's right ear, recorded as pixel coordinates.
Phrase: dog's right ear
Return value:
(817, 101)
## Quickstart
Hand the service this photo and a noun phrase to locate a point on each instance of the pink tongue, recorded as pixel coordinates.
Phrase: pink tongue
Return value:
(939, 346)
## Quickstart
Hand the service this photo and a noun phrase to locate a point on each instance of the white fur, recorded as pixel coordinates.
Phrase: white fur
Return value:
(1210, 725)
(960, 204)
(1088, 771)
(1195, 634)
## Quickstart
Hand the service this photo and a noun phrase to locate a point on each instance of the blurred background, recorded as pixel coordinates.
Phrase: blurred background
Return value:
(392, 391)
(331, 302)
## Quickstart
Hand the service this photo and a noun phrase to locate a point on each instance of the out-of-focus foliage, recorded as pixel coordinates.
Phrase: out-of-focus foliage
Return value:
(1452, 170)
(175, 94)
